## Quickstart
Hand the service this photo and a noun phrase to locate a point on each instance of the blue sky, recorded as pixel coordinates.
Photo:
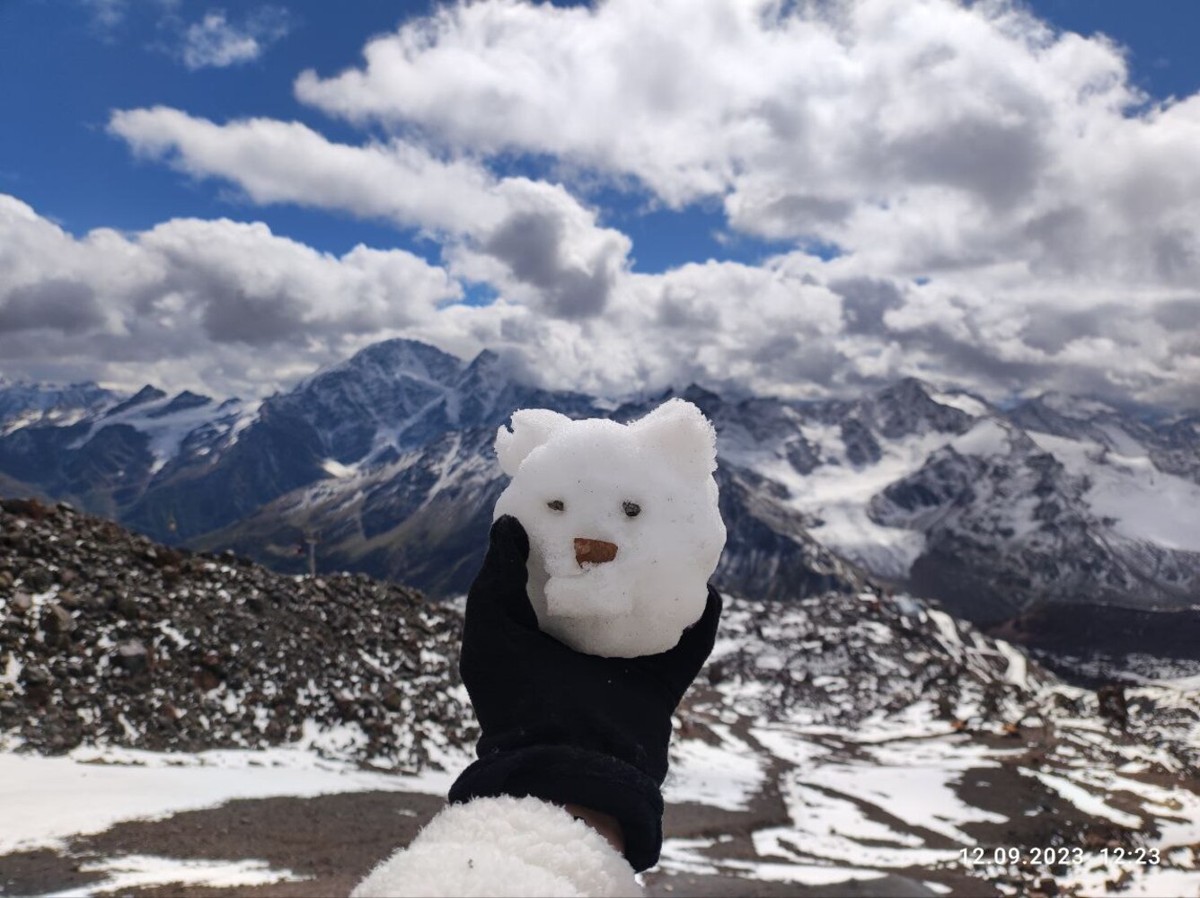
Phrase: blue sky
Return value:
(134, 60)
(607, 236)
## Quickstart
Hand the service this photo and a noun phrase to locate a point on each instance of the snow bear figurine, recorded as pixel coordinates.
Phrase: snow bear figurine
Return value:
(624, 528)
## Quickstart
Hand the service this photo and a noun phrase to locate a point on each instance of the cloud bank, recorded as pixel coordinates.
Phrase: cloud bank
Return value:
(213, 305)
(1008, 212)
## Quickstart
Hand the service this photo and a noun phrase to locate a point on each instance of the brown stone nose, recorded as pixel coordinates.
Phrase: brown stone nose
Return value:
(594, 551)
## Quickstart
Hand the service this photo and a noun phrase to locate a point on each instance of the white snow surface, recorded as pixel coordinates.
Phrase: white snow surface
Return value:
(964, 402)
(139, 871)
(838, 500)
(1018, 665)
(686, 856)
(644, 494)
(1085, 800)
(1143, 502)
(913, 782)
(89, 790)
(837, 496)
(335, 468)
(725, 776)
(168, 431)
(988, 437)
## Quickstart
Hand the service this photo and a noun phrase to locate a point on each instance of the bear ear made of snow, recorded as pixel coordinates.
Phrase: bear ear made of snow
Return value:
(679, 431)
(531, 427)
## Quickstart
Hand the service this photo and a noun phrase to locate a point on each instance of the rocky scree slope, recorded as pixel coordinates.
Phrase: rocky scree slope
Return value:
(109, 638)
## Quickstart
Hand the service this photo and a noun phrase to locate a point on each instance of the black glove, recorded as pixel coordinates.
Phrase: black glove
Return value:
(563, 726)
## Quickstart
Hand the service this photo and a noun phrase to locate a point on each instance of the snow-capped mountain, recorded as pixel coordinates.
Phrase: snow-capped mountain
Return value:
(972, 505)
(27, 404)
(385, 463)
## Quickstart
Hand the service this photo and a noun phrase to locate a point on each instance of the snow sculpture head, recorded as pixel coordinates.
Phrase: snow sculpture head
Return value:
(624, 529)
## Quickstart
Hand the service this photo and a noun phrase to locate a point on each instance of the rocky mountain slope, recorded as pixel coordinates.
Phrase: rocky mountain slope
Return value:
(385, 463)
(108, 638)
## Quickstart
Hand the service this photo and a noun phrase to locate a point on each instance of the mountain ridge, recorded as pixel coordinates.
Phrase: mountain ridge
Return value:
(384, 461)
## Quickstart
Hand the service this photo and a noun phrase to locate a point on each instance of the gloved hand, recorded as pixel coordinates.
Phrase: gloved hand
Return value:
(563, 726)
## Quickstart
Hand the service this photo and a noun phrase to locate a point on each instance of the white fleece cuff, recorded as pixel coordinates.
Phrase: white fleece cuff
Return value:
(503, 846)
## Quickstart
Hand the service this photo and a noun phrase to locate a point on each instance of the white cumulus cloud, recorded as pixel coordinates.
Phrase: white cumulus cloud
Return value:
(217, 305)
(530, 236)
(925, 133)
(1008, 212)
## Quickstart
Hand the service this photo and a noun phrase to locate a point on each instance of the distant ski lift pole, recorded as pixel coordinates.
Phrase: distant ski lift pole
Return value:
(310, 540)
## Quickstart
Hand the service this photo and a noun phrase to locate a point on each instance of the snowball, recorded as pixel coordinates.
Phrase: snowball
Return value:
(624, 529)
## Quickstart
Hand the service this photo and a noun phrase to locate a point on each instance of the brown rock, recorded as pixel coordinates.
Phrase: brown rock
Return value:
(57, 620)
(35, 675)
(127, 607)
(205, 679)
(134, 656)
(38, 579)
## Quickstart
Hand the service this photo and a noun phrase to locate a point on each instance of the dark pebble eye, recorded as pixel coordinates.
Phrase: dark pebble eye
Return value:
(556, 505)
(632, 509)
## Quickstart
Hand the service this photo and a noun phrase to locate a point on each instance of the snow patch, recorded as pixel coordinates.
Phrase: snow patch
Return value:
(139, 871)
(1017, 672)
(964, 402)
(988, 437)
(1143, 502)
(914, 782)
(838, 499)
(834, 827)
(12, 671)
(687, 856)
(1083, 799)
(335, 468)
(90, 790)
(725, 776)
(946, 628)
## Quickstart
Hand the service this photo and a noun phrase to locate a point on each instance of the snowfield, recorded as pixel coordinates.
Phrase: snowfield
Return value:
(91, 789)
(1145, 503)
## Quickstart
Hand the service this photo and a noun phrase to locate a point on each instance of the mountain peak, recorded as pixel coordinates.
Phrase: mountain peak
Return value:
(141, 397)
(907, 406)
(401, 356)
(907, 388)
(183, 401)
(486, 362)
(26, 402)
